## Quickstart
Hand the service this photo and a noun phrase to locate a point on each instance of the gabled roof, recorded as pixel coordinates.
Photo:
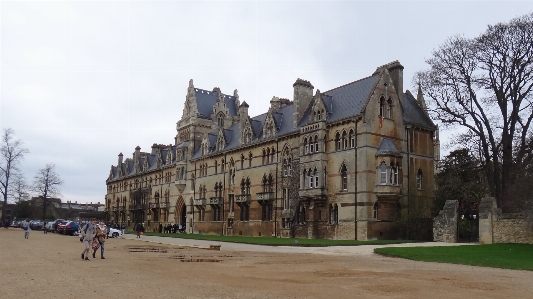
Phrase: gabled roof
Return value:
(413, 114)
(205, 100)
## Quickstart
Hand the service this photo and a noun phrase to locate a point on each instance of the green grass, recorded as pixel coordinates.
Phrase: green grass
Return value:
(505, 256)
(276, 241)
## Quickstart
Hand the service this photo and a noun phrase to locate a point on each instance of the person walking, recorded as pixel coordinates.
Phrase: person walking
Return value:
(45, 227)
(100, 236)
(123, 228)
(139, 229)
(27, 228)
(87, 235)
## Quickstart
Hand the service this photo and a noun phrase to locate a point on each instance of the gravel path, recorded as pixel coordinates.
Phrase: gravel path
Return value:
(49, 266)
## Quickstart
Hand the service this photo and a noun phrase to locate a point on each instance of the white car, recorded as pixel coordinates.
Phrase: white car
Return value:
(113, 232)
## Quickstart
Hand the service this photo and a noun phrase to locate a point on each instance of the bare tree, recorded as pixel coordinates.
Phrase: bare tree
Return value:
(12, 153)
(46, 184)
(20, 188)
(485, 85)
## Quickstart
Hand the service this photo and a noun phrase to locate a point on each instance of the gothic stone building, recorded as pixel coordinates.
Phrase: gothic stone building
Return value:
(353, 162)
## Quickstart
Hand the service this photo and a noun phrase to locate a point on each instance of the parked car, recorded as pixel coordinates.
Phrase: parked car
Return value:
(71, 228)
(113, 232)
(55, 223)
(49, 225)
(61, 227)
(36, 224)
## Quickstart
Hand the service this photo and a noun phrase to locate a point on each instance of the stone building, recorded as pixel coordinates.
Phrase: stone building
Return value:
(353, 162)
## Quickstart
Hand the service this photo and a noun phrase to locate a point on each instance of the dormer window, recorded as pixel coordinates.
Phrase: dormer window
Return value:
(388, 113)
(382, 107)
(383, 173)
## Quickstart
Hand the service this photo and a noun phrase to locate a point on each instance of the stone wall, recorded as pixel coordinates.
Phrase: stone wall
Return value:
(445, 224)
(498, 227)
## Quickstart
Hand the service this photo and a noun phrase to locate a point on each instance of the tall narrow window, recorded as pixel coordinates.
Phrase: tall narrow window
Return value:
(338, 141)
(344, 141)
(289, 167)
(310, 176)
(393, 174)
(419, 177)
(284, 167)
(242, 161)
(383, 173)
(311, 145)
(381, 107)
(316, 178)
(344, 177)
(250, 160)
(264, 157)
(389, 108)
(316, 143)
(306, 145)
(221, 120)
(352, 139)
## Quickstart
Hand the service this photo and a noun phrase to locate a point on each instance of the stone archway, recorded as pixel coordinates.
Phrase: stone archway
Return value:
(180, 212)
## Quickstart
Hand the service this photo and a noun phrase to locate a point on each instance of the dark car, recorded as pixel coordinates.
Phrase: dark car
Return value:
(56, 222)
(61, 227)
(71, 228)
(36, 225)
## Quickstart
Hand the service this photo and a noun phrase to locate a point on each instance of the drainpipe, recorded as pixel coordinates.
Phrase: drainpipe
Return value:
(276, 195)
(408, 178)
(355, 178)
(224, 221)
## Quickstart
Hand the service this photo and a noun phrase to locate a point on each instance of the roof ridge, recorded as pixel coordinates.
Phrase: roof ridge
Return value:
(348, 83)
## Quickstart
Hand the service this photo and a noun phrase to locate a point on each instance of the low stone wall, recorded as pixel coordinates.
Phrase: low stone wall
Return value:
(498, 227)
(512, 228)
(445, 224)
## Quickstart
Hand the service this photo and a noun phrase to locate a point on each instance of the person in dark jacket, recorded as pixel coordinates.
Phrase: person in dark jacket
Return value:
(139, 229)
(160, 228)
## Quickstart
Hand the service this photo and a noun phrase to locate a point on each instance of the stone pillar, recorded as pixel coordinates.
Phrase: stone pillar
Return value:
(445, 224)
(487, 209)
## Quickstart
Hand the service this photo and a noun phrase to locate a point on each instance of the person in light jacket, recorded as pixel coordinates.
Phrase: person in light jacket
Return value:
(88, 232)
(101, 236)
(27, 228)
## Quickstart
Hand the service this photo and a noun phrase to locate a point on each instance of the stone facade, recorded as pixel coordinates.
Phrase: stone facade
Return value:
(445, 224)
(342, 164)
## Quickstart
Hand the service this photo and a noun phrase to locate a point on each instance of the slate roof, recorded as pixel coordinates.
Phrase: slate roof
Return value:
(386, 147)
(413, 114)
(206, 100)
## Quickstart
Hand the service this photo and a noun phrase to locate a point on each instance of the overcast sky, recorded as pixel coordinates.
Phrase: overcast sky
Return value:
(83, 81)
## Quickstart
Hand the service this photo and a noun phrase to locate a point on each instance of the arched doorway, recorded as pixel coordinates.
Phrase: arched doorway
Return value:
(180, 212)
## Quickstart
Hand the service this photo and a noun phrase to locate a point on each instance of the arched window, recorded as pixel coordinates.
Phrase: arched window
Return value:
(316, 143)
(311, 145)
(381, 107)
(389, 108)
(393, 174)
(419, 177)
(344, 140)
(338, 141)
(284, 167)
(333, 214)
(242, 161)
(264, 162)
(310, 176)
(318, 115)
(315, 173)
(383, 173)
(352, 139)
(249, 160)
(344, 177)
(306, 145)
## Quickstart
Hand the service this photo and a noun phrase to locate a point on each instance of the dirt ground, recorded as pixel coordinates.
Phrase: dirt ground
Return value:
(50, 266)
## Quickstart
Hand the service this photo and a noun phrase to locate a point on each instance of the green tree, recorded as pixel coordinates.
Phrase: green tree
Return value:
(484, 85)
(461, 178)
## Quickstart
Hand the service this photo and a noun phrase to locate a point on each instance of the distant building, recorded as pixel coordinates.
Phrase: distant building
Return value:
(353, 162)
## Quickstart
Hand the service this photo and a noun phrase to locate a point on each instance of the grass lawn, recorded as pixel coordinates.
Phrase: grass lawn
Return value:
(276, 241)
(505, 256)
